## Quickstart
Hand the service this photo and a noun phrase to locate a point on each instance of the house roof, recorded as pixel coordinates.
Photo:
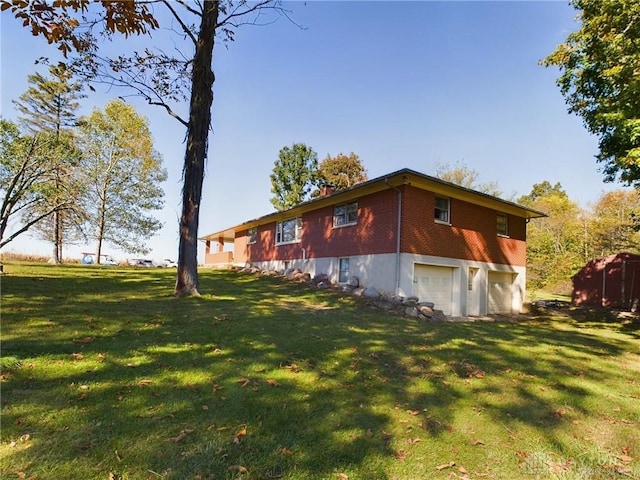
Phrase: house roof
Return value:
(392, 180)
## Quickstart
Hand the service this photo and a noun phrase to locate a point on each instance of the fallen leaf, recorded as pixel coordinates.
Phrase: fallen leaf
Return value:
(239, 434)
(77, 356)
(84, 340)
(21, 474)
(285, 451)
(624, 458)
(446, 465)
(180, 436)
(343, 476)
(478, 442)
(238, 468)
(272, 382)
(401, 454)
(243, 382)
(293, 367)
(144, 383)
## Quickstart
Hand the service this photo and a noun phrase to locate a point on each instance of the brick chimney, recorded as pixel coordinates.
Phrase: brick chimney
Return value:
(326, 190)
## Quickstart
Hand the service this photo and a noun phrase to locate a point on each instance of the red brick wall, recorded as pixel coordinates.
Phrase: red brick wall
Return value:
(472, 235)
(374, 233)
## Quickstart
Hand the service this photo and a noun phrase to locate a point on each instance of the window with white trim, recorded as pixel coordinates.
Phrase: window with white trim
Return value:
(502, 225)
(252, 235)
(343, 270)
(346, 214)
(289, 231)
(442, 213)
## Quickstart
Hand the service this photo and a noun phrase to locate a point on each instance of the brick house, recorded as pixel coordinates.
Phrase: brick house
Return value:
(404, 233)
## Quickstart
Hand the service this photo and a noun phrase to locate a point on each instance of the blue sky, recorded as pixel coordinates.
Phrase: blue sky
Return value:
(401, 84)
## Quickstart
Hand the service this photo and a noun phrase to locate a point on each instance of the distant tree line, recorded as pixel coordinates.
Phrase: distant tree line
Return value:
(72, 179)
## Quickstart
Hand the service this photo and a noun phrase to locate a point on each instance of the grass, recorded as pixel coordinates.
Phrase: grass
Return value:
(105, 375)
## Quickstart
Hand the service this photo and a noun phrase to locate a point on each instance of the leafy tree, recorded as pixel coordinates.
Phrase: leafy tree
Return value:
(599, 67)
(28, 196)
(161, 78)
(342, 171)
(554, 243)
(49, 105)
(123, 174)
(614, 223)
(461, 174)
(541, 190)
(294, 175)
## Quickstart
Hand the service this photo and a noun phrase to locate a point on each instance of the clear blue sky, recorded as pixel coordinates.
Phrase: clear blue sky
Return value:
(401, 84)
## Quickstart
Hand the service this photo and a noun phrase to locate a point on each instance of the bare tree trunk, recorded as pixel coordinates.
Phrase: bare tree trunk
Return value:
(202, 79)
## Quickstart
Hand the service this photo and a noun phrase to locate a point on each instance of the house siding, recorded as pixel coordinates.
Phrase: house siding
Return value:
(471, 235)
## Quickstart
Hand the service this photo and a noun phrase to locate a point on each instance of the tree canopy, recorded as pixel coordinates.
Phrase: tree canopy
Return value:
(460, 174)
(342, 171)
(599, 79)
(294, 176)
(49, 105)
(123, 175)
(28, 195)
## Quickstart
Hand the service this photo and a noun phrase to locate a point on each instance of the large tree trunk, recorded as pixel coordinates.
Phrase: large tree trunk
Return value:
(197, 142)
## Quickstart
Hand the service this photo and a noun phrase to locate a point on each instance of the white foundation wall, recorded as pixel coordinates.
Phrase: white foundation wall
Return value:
(379, 271)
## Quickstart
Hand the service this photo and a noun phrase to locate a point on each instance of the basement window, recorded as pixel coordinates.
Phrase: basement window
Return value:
(343, 270)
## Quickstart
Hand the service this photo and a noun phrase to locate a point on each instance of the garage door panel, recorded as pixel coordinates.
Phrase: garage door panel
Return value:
(434, 284)
(500, 292)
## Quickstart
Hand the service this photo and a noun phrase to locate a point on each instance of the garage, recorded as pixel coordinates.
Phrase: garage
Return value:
(434, 284)
(500, 292)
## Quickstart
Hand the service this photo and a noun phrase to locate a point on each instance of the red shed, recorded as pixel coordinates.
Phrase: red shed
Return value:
(612, 282)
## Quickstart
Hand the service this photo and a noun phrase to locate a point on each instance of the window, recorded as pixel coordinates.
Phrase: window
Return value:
(346, 214)
(502, 224)
(289, 231)
(343, 270)
(442, 210)
(252, 235)
(470, 277)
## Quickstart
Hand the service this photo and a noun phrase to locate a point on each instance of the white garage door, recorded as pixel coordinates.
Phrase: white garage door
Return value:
(434, 284)
(500, 292)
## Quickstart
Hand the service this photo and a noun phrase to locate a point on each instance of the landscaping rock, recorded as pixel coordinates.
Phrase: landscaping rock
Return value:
(320, 278)
(371, 292)
(426, 311)
(411, 312)
(384, 304)
(359, 292)
(354, 282)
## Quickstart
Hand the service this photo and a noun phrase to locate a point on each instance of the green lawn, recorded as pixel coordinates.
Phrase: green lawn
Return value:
(105, 375)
